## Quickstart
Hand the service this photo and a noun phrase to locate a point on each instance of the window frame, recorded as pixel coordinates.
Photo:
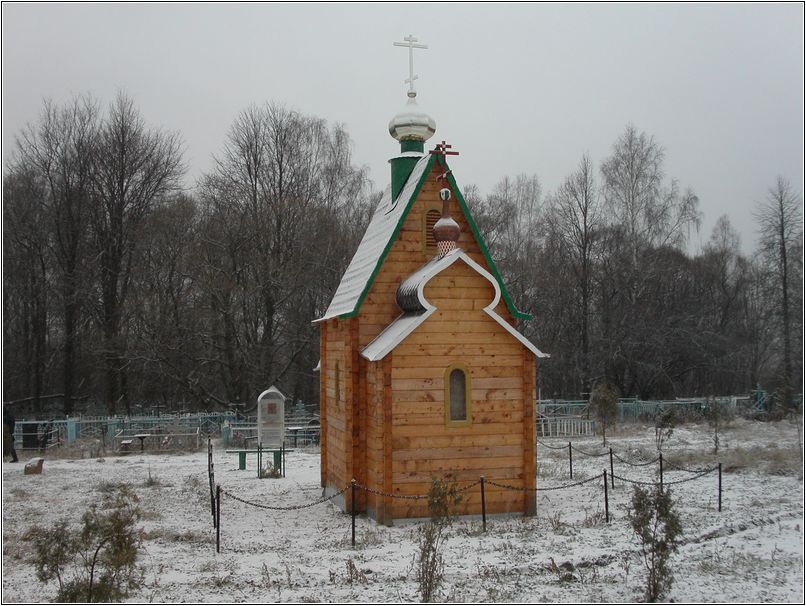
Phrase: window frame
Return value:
(468, 420)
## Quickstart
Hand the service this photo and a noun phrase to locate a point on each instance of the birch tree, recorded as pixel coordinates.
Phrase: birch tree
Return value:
(780, 222)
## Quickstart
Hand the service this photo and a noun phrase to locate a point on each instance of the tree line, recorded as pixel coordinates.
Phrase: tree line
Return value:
(602, 265)
(127, 288)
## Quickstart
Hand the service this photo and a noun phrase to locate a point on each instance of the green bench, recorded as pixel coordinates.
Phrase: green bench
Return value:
(277, 453)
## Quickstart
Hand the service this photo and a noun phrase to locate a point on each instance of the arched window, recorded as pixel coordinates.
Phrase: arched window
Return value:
(430, 217)
(458, 397)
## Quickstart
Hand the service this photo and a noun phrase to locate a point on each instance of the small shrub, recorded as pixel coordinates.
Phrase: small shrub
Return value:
(95, 563)
(604, 407)
(354, 575)
(665, 422)
(557, 524)
(429, 563)
(718, 417)
(657, 526)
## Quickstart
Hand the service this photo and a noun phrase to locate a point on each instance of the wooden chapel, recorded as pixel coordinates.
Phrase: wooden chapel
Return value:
(423, 373)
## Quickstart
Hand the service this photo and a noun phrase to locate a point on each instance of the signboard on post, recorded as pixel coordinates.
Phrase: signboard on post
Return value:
(271, 418)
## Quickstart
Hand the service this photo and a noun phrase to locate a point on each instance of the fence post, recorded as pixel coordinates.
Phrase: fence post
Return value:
(352, 506)
(211, 478)
(612, 478)
(660, 460)
(607, 505)
(483, 506)
(259, 458)
(282, 457)
(570, 462)
(720, 486)
(212, 494)
(218, 518)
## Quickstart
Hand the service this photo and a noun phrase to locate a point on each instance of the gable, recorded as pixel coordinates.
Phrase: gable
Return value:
(383, 231)
(481, 287)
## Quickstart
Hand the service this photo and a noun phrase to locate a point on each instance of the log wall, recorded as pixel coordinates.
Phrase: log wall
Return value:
(498, 443)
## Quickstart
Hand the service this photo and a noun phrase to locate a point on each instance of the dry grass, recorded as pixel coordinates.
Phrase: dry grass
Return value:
(769, 460)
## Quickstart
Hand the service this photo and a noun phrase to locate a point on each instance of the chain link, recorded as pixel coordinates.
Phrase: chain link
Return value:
(510, 487)
(603, 454)
(635, 464)
(464, 489)
(552, 447)
(589, 454)
(410, 497)
(290, 508)
(634, 481)
(699, 475)
(389, 494)
(676, 468)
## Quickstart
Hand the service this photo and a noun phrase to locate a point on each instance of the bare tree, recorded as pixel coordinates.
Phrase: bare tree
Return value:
(280, 215)
(58, 148)
(133, 167)
(781, 230)
(648, 225)
(575, 217)
(26, 286)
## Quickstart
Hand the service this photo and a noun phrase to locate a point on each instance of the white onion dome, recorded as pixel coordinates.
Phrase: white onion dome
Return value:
(412, 124)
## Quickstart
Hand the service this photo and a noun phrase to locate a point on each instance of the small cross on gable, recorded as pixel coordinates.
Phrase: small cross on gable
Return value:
(442, 150)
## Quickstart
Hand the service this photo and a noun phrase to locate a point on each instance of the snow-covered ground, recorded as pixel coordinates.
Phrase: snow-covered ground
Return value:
(750, 552)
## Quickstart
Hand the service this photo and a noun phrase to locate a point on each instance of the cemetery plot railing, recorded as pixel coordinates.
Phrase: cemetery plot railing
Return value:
(564, 426)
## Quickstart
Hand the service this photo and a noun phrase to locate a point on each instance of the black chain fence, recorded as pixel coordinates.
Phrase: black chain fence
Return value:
(481, 482)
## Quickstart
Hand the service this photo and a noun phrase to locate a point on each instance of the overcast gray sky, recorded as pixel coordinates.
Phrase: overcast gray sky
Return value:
(516, 88)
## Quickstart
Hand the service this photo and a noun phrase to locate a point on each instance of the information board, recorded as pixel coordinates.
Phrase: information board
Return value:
(271, 418)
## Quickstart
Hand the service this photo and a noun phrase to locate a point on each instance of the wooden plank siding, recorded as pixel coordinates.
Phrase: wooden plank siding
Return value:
(529, 430)
(337, 425)
(425, 447)
(408, 254)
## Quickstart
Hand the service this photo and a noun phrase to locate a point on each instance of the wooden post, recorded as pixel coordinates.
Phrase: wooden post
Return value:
(660, 460)
(570, 462)
(607, 505)
(212, 495)
(612, 478)
(218, 519)
(720, 487)
(352, 506)
(483, 506)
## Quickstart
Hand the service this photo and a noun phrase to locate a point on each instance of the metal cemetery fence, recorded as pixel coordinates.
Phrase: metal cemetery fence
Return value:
(633, 409)
(183, 431)
(554, 418)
